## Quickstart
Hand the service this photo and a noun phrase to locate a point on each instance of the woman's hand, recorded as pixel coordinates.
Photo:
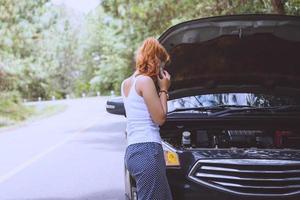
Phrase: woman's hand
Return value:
(164, 82)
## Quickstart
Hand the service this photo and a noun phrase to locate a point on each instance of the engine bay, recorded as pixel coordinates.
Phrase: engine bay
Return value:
(227, 138)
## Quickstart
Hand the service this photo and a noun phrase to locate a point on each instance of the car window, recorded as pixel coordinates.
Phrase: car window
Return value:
(240, 99)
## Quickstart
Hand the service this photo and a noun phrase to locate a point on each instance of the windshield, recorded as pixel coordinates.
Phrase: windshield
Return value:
(232, 99)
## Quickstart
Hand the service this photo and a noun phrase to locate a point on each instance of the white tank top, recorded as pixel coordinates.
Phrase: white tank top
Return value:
(140, 127)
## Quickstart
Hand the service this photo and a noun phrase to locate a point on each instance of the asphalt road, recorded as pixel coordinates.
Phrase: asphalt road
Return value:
(73, 155)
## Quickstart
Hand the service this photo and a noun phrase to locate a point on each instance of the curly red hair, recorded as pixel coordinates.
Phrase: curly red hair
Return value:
(149, 56)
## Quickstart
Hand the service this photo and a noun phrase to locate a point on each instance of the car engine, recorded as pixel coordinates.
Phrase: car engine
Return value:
(235, 139)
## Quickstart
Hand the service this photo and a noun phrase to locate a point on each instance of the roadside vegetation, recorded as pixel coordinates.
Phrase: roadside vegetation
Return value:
(45, 110)
(12, 110)
(49, 51)
(14, 113)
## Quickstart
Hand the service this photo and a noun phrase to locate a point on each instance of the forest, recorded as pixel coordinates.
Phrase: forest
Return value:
(49, 51)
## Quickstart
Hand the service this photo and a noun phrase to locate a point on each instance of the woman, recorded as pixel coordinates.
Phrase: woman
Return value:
(146, 109)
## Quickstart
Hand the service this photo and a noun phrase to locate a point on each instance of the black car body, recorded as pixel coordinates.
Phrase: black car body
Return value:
(236, 94)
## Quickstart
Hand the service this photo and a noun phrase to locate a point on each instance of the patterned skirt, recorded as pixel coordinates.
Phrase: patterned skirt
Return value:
(145, 162)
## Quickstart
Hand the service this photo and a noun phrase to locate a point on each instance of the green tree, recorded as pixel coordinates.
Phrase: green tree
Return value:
(117, 28)
(61, 54)
(46, 53)
(39, 47)
(21, 26)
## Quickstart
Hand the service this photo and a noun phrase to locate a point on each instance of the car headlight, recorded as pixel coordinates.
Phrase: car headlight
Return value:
(171, 157)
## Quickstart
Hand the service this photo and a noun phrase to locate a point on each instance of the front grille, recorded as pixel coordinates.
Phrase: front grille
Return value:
(249, 176)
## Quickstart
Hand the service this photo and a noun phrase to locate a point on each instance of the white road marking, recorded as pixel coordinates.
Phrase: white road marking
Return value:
(37, 157)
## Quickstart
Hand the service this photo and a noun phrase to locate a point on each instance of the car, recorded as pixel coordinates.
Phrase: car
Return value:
(233, 124)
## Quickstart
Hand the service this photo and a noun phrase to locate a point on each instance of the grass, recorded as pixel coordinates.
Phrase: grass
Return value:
(46, 111)
(13, 113)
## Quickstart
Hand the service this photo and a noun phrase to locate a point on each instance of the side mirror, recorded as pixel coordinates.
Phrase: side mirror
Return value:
(115, 106)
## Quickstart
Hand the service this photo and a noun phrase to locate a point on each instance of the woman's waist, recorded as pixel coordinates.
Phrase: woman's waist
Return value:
(142, 126)
(140, 119)
(143, 136)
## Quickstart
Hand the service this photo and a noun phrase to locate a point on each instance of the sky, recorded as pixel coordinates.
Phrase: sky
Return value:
(83, 6)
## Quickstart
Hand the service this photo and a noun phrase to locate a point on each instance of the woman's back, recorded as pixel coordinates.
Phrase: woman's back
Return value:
(140, 127)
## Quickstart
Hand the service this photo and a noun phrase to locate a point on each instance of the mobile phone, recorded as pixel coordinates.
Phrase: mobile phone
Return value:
(161, 72)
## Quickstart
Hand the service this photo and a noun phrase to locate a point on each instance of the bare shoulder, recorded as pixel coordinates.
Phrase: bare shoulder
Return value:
(145, 81)
(127, 81)
(126, 85)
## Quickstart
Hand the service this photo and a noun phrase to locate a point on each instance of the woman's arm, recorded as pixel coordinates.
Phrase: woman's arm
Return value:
(157, 105)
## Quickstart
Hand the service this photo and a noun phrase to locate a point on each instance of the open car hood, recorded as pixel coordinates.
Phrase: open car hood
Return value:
(234, 50)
